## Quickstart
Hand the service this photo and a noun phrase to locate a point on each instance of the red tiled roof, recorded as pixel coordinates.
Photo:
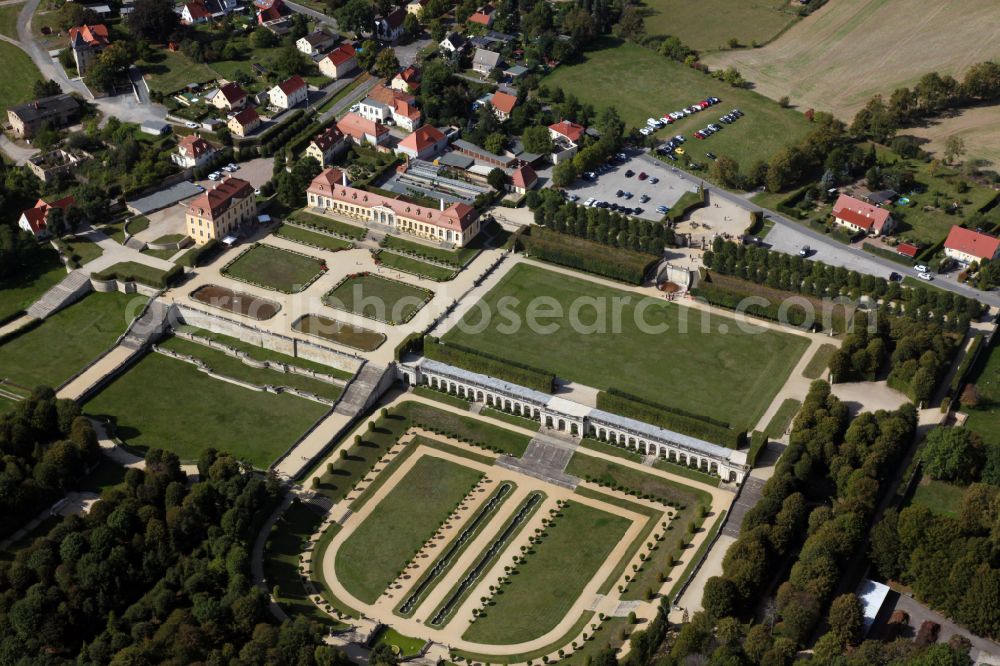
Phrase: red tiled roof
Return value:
(503, 102)
(907, 249)
(246, 116)
(328, 137)
(340, 55)
(198, 10)
(456, 217)
(290, 85)
(423, 137)
(480, 18)
(218, 199)
(524, 177)
(37, 214)
(194, 145)
(568, 129)
(860, 214)
(358, 127)
(410, 75)
(975, 243)
(404, 104)
(94, 35)
(232, 92)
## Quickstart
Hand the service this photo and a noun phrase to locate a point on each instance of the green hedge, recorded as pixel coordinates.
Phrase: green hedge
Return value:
(586, 255)
(957, 381)
(731, 300)
(758, 442)
(887, 254)
(619, 402)
(414, 342)
(201, 255)
(688, 202)
(470, 359)
(133, 272)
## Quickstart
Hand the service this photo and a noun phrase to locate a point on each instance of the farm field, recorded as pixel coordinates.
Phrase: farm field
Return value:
(661, 86)
(373, 555)
(740, 372)
(847, 51)
(167, 403)
(979, 127)
(748, 21)
(68, 340)
(20, 75)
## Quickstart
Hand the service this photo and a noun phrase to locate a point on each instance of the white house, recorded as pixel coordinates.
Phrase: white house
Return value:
(288, 93)
(565, 137)
(385, 105)
(34, 219)
(193, 151)
(452, 43)
(485, 61)
(339, 62)
(967, 246)
(230, 97)
(319, 41)
(859, 216)
(326, 145)
(390, 28)
(423, 144)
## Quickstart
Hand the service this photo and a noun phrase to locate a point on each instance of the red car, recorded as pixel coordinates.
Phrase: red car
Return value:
(643, 176)
(699, 135)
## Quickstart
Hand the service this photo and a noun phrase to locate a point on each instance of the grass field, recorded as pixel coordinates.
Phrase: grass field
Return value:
(8, 19)
(986, 377)
(782, 418)
(83, 250)
(939, 496)
(20, 75)
(549, 580)
(379, 549)
(329, 224)
(657, 86)
(339, 332)
(132, 270)
(708, 25)
(377, 298)
(459, 257)
(306, 237)
(68, 340)
(415, 266)
(819, 362)
(274, 268)
(173, 70)
(614, 474)
(849, 50)
(29, 281)
(730, 376)
(167, 403)
(979, 127)
(408, 647)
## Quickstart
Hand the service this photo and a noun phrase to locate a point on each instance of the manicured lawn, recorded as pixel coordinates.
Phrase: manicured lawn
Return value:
(441, 396)
(658, 86)
(986, 377)
(783, 418)
(274, 268)
(132, 270)
(19, 76)
(458, 257)
(472, 429)
(400, 523)
(329, 224)
(68, 340)
(306, 237)
(513, 419)
(262, 354)
(6, 403)
(230, 366)
(939, 496)
(172, 70)
(339, 332)
(83, 250)
(281, 561)
(406, 645)
(819, 362)
(168, 403)
(731, 376)
(377, 298)
(665, 465)
(40, 272)
(8, 19)
(708, 25)
(655, 487)
(415, 266)
(551, 578)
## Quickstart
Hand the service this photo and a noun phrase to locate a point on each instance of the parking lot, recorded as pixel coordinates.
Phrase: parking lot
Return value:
(665, 192)
(256, 172)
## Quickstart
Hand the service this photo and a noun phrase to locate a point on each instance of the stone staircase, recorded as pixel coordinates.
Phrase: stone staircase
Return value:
(359, 392)
(135, 244)
(72, 288)
(750, 494)
(546, 459)
(147, 328)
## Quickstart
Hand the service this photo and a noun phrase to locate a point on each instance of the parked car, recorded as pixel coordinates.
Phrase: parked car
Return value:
(644, 198)
(680, 138)
(925, 276)
(662, 209)
(670, 156)
(679, 150)
(629, 173)
(645, 131)
(191, 124)
(805, 251)
(618, 193)
(621, 157)
(714, 127)
(895, 277)
(636, 211)
(643, 176)
(627, 195)
(215, 175)
(573, 197)
(920, 268)
(654, 180)
(711, 156)
(589, 202)
(699, 135)
(590, 175)
(230, 168)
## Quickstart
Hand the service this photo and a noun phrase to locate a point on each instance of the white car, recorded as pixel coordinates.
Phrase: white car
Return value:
(645, 131)
(920, 268)
(191, 124)
(215, 175)
(589, 202)
(231, 167)
(651, 122)
(925, 276)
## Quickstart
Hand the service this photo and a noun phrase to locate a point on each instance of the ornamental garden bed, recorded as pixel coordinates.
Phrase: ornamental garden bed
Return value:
(237, 302)
(378, 298)
(355, 337)
(274, 268)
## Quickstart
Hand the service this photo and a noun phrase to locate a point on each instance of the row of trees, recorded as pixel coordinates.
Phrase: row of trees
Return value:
(933, 94)
(46, 447)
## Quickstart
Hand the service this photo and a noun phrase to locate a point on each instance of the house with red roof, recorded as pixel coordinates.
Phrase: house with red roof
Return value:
(244, 122)
(339, 62)
(193, 151)
(362, 130)
(289, 93)
(230, 97)
(565, 137)
(457, 224)
(272, 13)
(326, 145)
(220, 211)
(861, 217)
(195, 12)
(908, 250)
(407, 81)
(967, 246)
(503, 104)
(523, 179)
(385, 105)
(33, 220)
(483, 16)
(87, 42)
(423, 144)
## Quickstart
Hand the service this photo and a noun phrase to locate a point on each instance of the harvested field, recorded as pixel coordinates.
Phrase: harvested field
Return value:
(339, 332)
(849, 50)
(979, 127)
(237, 302)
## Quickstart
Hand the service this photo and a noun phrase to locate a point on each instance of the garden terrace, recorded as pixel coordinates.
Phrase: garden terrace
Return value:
(36, 273)
(457, 258)
(328, 224)
(312, 238)
(237, 302)
(416, 267)
(274, 268)
(377, 298)
(348, 335)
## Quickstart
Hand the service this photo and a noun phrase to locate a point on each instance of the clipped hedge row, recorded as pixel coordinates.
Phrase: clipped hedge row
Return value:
(710, 430)
(470, 359)
(150, 277)
(689, 202)
(414, 342)
(588, 256)
(958, 381)
(200, 256)
(731, 300)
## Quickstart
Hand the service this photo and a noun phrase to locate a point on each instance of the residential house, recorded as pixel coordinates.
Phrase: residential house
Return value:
(326, 145)
(483, 16)
(318, 41)
(415, 7)
(457, 224)
(362, 130)
(272, 13)
(220, 211)
(407, 81)
(87, 42)
(423, 144)
(33, 220)
(386, 105)
(57, 111)
(193, 151)
(481, 156)
(289, 93)
(244, 122)
(390, 28)
(338, 62)
(195, 12)
(485, 61)
(880, 197)
(523, 179)
(492, 40)
(859, 216)
(503, 104)
(515, 72)
(967, 246)
(452, 43)
(230, 97)
(565, 137)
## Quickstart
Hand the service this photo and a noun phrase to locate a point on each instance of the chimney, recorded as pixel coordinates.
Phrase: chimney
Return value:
(442, 204)
(343, 178)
